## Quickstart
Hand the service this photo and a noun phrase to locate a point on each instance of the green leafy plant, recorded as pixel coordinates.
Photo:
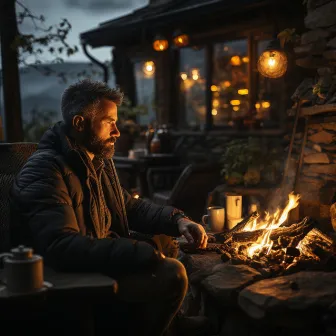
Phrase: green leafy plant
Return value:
(245, 161)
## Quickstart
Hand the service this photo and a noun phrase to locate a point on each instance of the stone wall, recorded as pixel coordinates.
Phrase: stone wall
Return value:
(317, 51)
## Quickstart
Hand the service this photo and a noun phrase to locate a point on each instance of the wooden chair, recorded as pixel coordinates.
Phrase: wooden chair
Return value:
(190, 191)
(72, 294)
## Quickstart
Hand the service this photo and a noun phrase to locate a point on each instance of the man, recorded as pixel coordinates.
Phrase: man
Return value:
(73, 211)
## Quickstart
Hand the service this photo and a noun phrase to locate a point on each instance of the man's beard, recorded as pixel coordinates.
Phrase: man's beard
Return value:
(100, 148)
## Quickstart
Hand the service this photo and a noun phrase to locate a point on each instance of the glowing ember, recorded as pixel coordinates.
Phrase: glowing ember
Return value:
(269, 223)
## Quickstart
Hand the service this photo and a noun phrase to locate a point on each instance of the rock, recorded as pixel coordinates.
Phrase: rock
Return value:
(312, 62)
(325, 71)
(332, 43)
(313, 292)
(323, 16)
(327, 194)
(314, 35)
(310, 174)
(316, 158)
(314, 48)
(199, 262)
(330, 55)
(329, 169)
(329, 126)
(227, 280)
(313, 4)
(308, 151)
(316, 127)
(322, 137)
(315, 182)
(304, 90)
(329, 148)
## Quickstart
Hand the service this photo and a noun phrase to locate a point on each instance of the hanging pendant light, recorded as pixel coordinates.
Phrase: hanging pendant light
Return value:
(272, 63)
(180, 39)
(160, 43)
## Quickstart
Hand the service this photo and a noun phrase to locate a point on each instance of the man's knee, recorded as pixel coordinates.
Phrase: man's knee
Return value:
(174, 273)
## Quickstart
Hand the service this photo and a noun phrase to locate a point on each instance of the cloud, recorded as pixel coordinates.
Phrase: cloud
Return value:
(104, 5)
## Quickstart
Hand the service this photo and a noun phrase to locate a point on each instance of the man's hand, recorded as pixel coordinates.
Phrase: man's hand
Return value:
(193, 232)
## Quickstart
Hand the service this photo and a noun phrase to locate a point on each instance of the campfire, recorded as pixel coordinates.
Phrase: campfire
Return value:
(268, 244)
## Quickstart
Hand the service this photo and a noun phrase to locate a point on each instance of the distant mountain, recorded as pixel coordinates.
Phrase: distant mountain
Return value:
(43, 92)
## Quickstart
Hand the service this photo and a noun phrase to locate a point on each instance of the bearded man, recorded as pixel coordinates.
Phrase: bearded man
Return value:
(68, 205)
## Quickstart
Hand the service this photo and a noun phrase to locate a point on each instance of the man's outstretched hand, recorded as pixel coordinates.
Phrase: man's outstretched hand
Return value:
(193, 232)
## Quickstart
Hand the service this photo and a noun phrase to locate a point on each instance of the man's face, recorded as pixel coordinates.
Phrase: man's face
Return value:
(102, 131)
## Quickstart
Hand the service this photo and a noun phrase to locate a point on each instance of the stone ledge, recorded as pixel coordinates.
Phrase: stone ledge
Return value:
(309, 293)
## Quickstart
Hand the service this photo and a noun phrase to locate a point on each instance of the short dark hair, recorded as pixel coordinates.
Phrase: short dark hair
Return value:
(84, 97)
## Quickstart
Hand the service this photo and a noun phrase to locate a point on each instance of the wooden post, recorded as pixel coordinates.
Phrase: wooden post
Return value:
(208, 80)
(10, 72)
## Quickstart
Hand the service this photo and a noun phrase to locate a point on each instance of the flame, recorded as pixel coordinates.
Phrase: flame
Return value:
(269, 223)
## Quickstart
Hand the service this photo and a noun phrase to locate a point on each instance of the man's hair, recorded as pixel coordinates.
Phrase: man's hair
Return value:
(84, 97)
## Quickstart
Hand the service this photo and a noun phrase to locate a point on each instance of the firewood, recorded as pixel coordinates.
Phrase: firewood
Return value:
(292, 268)
(238, 260)
(247, 236)
(226, 256)
(293, 230)
(292, 251)
(225, 237)
(281, 233)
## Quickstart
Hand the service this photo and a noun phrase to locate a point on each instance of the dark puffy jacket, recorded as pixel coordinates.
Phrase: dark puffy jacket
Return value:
(55, 211)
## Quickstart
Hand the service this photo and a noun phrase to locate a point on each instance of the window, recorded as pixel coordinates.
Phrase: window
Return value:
(145, 90)
(192, 87)
(230, 82)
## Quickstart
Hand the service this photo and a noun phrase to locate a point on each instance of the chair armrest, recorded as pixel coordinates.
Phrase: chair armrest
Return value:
(162, 178)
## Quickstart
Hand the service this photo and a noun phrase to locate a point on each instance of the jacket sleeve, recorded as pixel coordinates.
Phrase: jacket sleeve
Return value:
(147, 217)
(41, 195)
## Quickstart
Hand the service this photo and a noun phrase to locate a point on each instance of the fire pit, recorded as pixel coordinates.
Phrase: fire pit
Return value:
(274, 248)
(265, 274)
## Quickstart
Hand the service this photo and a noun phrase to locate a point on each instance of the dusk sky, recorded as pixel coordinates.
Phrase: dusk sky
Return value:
(83, 15)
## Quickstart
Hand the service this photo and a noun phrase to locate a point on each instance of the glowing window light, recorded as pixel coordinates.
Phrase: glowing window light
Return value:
(265, 104)
(195, 74)
(243, 92)
(214, 112)
(257, 106)
(214, 88)
(184, 76)
(235, 102)
(235, 108)
(227, 84)
(149, 68)
(215, 103)
(235, 60)
(245, 59)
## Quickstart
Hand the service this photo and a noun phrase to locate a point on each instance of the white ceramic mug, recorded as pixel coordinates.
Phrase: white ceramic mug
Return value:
(214, 219)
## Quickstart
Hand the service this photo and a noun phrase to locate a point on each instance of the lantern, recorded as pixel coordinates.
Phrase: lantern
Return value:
(272, 62)
(160, 43)
(180, 39)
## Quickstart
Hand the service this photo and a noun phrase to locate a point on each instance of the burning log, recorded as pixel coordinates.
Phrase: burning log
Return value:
(225, 237)
(295, 230)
